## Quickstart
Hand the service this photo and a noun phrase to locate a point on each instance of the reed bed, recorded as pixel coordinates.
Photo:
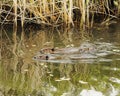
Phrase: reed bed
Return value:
(55, 12)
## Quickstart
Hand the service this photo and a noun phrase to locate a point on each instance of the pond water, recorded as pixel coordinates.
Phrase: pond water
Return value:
(21, 75)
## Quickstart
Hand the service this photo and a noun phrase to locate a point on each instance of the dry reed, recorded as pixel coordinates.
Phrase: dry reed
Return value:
(52, 12)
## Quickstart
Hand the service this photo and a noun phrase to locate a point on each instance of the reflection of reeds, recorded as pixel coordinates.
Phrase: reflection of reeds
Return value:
(55, 12)
(0, 45)
(24, 80)
(17, 67)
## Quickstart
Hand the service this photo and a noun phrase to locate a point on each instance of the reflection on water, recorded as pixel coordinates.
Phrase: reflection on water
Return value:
(20, 75)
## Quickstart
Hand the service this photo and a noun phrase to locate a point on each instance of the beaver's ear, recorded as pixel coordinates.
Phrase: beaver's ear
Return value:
(47, 57)
(41, 51)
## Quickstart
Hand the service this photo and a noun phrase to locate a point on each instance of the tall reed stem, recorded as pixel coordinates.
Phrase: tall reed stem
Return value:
(15, 27)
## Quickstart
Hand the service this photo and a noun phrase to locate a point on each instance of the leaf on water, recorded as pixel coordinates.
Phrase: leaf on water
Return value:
(63, 79)
(82, 82)
(51, 75)
(25, 70)
(33, 45)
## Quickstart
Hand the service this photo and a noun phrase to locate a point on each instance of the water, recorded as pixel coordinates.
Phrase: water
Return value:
(21, 75)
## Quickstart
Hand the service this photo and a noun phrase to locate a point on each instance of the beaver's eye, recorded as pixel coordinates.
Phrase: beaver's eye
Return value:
(53, 49)
(34, 57)
(47, 57)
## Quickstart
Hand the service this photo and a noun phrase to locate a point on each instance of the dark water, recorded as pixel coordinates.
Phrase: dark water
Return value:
(20, 75)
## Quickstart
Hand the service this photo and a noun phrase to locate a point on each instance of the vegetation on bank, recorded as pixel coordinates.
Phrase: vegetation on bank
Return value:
(56, 12)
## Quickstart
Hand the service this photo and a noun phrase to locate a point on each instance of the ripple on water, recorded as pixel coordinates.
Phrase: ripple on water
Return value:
(91, 92)
(115, 80)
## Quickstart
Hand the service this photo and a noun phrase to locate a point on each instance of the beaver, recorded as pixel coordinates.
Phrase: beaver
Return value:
(83, 48)
(85, 51)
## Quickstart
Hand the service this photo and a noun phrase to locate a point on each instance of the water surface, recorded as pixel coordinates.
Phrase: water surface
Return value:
(20, 75)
